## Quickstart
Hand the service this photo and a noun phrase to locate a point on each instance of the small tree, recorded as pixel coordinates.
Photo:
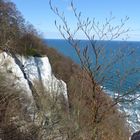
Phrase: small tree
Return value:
(94, 68)
(11, 21)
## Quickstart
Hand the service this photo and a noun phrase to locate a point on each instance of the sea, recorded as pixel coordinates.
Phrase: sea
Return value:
(119, 73)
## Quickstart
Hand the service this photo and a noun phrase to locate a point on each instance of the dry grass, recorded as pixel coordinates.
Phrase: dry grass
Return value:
(15, 121)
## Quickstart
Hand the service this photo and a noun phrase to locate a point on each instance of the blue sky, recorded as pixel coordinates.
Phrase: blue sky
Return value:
(39, 14)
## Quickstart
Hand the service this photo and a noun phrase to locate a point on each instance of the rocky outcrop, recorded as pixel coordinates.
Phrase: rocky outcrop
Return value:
(36, 69)
(34, 114)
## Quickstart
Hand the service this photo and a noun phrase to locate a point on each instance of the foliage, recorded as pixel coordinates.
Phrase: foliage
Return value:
(30, 45)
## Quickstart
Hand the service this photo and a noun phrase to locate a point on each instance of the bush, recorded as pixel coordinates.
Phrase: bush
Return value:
(79, 126)
(30, 45)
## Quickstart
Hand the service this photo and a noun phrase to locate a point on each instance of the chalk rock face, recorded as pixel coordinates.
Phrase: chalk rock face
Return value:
(12, 70)
(36, 69)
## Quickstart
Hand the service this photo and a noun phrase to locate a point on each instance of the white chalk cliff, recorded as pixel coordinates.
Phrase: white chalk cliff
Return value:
(36, 68)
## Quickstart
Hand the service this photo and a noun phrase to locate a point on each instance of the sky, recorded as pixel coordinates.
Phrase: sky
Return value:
(38, 13)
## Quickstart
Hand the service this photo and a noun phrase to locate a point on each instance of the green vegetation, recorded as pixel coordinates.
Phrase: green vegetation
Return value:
(30, 45)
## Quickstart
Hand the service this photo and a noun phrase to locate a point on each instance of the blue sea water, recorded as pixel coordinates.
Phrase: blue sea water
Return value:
(112, 50)
(121, 77)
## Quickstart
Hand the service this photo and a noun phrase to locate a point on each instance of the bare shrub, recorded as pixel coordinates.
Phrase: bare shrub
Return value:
(97, 106)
